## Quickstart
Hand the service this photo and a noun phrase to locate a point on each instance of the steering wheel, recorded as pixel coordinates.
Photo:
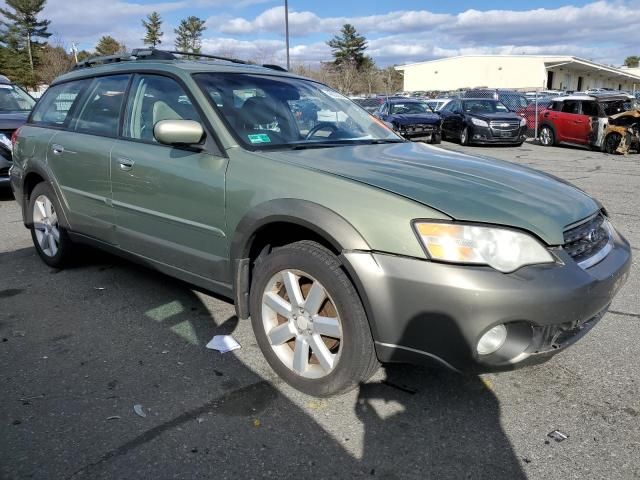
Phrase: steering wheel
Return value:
(319, 127)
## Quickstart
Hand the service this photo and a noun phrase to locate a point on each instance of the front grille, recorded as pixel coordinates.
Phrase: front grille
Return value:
(4, 172)
(587, 239)
(505, 129)
(502, 125)
(417, 128)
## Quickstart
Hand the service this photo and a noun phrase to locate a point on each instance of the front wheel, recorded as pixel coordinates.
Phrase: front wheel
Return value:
(547, 137)
(50, 239)
(612, 142)
(309, 321)
(464, 136)
(436, 138)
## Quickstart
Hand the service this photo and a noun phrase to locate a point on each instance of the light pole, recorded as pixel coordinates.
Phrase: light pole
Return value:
(286, 30)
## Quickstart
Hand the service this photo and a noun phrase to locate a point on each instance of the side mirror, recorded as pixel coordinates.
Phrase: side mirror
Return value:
(178, 132)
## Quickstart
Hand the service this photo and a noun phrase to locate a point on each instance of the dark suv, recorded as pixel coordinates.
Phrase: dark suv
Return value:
(15, 105)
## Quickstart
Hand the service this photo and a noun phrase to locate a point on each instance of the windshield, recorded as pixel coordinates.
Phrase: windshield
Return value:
(264, 111)
(410, 107)
(14, 99)
(483, 106)
(514, 102)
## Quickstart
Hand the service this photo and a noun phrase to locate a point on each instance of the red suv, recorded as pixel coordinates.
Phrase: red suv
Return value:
(580, 119)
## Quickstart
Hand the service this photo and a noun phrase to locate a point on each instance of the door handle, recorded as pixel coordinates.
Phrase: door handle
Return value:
(125, 164)
(57, 149)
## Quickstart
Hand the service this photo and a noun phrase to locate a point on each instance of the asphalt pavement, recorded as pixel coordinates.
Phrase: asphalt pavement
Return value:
(80, 347)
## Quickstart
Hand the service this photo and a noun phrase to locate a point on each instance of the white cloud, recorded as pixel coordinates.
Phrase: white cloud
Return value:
(603, 30)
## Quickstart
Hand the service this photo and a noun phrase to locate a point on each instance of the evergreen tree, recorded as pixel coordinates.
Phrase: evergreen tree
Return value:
(108, 45)
(189, 34)
(20, 30)
(349, 47)
(152, 24)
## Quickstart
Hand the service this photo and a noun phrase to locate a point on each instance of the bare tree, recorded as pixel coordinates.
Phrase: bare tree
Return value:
(54, 61)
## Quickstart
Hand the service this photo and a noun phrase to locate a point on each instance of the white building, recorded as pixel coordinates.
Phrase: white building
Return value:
(521, 72)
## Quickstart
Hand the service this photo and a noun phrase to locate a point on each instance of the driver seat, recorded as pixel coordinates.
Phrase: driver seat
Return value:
(257, 113)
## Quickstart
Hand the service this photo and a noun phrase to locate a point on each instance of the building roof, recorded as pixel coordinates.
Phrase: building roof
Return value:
(550, 61)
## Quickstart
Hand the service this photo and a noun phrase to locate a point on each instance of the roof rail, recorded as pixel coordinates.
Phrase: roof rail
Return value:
(155, 54)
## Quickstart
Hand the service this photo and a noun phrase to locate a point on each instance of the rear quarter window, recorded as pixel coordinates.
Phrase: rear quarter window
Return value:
(54, 107)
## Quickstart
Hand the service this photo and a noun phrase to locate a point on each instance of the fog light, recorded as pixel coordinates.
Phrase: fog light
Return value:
(492, 340)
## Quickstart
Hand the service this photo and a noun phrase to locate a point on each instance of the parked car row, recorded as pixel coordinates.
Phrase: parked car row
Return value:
(15, 105)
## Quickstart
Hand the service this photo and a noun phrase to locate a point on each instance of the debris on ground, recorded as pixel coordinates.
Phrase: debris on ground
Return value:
(139, 411)
(99, 288)
(558, 436)
(115, 417)
(223, 343)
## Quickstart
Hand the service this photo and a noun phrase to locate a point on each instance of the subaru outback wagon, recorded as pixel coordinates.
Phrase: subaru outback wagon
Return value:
(346, 245)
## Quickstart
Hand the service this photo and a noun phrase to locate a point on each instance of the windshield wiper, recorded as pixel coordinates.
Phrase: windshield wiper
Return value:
(304, 146)
(385, 140)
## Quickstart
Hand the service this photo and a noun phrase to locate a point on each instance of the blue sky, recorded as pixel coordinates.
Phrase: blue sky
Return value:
(397, 32)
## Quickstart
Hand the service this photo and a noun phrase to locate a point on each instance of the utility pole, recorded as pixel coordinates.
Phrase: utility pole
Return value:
(286, 30)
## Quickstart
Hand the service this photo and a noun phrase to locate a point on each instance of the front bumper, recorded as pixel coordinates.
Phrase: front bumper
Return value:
(486, 135)
(421, 310)
(419, 131)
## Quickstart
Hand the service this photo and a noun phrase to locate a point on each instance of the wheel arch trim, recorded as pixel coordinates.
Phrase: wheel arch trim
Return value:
(326, 223)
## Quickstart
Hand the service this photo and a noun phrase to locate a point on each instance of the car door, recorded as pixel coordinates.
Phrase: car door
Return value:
(583, 125)
(568, 121)
(79, 156)
(447, 116)
(169, 201)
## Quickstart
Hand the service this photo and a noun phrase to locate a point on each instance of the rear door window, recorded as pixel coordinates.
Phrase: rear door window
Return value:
(571, 106)
(54, 107)
(590, 109)
(100, 112)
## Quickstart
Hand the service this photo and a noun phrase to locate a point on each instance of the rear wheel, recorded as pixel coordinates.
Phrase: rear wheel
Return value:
(309, 321)
(50, 239)
(611, 142)
(547, 137)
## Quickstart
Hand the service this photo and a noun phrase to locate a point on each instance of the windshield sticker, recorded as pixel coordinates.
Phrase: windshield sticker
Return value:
(259, 138)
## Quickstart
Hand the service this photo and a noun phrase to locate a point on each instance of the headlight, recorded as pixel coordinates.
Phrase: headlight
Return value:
(523, 122)
(503, 249)
(479, 123)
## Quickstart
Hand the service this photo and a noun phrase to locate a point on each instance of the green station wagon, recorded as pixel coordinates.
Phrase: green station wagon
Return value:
(346, 245)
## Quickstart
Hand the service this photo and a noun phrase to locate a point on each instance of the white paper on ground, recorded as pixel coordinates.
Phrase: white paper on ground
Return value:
(223, 343)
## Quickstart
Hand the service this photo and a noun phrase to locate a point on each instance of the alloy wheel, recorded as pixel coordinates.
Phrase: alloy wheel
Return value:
(546, 136)
(302, 323)
(45, 225)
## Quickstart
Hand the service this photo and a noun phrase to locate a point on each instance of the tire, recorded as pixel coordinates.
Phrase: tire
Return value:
(436, 139)
(296, 345)
(50, 240)
(464, 136)
(547, 136)
(611, 143)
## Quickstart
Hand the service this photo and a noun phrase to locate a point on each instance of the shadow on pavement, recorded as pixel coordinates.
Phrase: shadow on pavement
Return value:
(433, 423)
(81, 347)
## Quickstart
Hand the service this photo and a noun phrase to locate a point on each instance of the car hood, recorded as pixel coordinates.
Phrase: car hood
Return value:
(462, 186)
(413, 118)
(12, 120)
